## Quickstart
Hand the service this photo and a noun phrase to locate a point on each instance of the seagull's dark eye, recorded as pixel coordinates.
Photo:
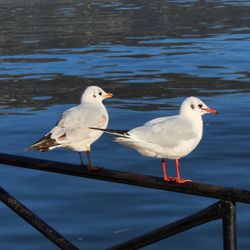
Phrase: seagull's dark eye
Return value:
(200, 106)
(100, 93)
(192, 106)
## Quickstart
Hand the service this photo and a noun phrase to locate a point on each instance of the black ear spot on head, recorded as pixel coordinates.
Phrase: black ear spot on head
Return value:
(192, 106)
(94, 96)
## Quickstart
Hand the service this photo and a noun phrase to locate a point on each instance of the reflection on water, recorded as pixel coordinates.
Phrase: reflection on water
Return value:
(145, 63)
(151, 55)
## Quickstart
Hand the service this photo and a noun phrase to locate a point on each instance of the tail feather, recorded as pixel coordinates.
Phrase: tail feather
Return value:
(122, 133)
(44, 144)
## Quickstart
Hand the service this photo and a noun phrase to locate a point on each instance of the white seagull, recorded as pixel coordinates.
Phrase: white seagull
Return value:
(72, 130)
(171, 137)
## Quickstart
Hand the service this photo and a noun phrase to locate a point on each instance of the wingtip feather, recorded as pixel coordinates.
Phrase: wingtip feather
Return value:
(123, 133)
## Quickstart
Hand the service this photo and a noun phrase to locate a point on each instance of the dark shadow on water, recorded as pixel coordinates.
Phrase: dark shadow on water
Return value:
(67, 90)
(30, 25)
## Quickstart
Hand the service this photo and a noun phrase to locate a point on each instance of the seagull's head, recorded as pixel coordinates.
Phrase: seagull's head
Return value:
(194, 106)
(94, 94)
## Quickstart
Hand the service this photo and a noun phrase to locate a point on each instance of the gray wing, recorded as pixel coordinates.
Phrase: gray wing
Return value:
(156, 120)
(75, 122)
(166, 132)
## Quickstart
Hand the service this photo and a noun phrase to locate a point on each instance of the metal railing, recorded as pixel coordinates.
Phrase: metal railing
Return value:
(35, 221)
(225, 209)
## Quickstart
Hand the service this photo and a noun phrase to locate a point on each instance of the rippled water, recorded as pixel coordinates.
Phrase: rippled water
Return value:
(151, 55)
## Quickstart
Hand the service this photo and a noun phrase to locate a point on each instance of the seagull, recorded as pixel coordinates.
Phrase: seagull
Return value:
(171, 137)
(72, 130)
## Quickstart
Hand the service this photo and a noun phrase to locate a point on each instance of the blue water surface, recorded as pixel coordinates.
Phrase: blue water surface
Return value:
(151, 55)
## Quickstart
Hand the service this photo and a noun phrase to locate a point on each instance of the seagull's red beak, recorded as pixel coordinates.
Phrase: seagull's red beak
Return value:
(210, 110)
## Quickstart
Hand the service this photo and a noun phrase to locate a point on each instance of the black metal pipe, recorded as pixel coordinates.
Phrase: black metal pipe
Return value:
(229, 224)
(193, 188)
(206, 215)
(35, 221)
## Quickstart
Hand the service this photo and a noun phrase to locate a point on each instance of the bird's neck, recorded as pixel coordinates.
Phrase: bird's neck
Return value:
(197, 122)
(95, 106)
(89, 102)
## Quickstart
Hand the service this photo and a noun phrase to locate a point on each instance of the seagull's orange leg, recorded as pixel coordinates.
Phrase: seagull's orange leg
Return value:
(178, 179)
(81, 161)
(164, 168)
(90, 167)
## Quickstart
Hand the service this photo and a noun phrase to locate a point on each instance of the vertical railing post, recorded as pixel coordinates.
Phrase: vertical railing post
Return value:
(228, 210)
